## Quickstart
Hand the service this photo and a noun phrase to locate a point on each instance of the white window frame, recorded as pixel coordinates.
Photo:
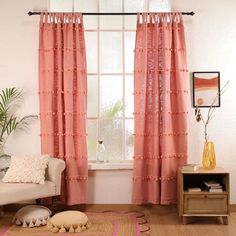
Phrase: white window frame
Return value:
(146, 8)
(123, 74)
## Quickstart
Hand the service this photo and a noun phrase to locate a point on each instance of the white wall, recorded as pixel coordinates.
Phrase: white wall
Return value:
(19, 64)
(211, 44)
(110, 186)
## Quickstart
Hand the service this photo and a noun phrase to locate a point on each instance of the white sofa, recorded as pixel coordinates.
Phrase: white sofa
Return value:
(16, 192)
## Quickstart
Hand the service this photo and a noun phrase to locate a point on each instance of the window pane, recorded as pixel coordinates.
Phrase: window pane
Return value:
(92, 97)
(91, 51)
(159, 5)
(111, 134)
(85, 5)
(129, 139)
(130, 22)
(129, 97)
(129, 51)
(110, 52)
(135, 5)
(111, 94)
(110, 22)
(110, 6)
(61, 6)
(90, 22)
(92, 138)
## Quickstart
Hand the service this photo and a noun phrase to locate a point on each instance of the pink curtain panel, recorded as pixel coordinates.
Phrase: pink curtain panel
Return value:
(62, 92)
(160, 109)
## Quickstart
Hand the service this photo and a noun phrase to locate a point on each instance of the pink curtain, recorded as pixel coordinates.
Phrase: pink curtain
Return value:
(62, 90)
(160, 117)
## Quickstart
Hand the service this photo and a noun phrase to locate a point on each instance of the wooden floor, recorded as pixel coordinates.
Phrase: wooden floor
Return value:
(164, 221)
(169, 224)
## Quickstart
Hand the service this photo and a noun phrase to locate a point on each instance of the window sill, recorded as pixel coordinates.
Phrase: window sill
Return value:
(110, 166)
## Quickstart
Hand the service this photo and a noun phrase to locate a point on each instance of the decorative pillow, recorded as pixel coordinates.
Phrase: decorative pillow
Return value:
(2, 173)
(72, 221)
(26, 169)
(32, 216)
(5, 161)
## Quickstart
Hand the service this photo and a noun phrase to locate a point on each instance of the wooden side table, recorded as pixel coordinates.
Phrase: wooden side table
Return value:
(203, 203)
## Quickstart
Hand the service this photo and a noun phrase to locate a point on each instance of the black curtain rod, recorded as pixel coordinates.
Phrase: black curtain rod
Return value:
(30, 13)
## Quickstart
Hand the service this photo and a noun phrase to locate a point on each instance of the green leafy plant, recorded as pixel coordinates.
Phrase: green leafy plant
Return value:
(114, 109)
(107, 125)
(9, 122)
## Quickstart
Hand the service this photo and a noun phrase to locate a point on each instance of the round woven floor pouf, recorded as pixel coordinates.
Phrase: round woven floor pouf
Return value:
(32, 216)
(71, 221)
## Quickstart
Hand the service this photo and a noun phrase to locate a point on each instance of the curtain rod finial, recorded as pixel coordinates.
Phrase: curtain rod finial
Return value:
(192, 13)
(30, 13)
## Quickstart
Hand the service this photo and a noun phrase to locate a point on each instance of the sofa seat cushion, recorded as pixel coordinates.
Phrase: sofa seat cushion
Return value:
(16, 192)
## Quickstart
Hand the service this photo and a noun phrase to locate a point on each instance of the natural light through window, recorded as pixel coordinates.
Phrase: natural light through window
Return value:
(110, 42)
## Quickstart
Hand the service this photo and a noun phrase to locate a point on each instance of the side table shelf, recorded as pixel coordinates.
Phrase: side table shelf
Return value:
(203, 203)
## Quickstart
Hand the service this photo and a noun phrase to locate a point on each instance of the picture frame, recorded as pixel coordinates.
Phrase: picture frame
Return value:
(206, 89)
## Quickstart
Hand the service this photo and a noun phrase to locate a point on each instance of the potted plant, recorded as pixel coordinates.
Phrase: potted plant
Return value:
(9, 122)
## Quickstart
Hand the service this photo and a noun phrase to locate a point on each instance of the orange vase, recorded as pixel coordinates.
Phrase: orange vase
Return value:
(208, 157)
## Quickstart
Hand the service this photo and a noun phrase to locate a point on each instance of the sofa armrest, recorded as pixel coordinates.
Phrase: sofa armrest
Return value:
(54, 172)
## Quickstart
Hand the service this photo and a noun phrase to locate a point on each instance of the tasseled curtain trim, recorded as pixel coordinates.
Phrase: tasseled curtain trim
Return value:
(158, 49)
(64, 134)
(59, 70)
(163, 134)
(154, 178)
(61, 92)
(76, 178)
(72, 157)
(162, 70)
(153, 113)
(160, 157)
(60, 49)
(62, 113)
(137, 92)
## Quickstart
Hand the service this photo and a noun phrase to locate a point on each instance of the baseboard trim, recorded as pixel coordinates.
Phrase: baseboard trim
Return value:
(114, 207)
(103, 207)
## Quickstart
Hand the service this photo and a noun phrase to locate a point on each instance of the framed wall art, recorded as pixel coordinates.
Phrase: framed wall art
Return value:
(206, 89)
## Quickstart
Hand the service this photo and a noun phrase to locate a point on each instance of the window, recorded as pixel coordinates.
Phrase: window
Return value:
(110, 41)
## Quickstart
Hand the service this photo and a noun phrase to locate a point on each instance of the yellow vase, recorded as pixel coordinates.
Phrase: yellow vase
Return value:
(208, 157)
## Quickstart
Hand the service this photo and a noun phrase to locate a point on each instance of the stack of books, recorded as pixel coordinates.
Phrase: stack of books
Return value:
(213, 186)
(190, 167)
(194, 189)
